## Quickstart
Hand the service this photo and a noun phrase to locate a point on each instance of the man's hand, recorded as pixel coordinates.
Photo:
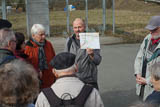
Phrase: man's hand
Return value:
(140, 80)
(90, 52)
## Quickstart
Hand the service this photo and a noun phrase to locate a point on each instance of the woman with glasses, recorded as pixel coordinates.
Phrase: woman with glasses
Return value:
(40, 52)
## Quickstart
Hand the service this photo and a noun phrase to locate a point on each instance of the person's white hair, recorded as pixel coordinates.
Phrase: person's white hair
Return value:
(70, 69)
(36, 28)
(155, 70)
(6, 35)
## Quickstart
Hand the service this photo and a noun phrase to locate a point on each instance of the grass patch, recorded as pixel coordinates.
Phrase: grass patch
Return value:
(131, 16)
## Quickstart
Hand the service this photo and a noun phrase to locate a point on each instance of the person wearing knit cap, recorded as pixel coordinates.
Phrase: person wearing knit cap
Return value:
(148, 54)
(67, 82)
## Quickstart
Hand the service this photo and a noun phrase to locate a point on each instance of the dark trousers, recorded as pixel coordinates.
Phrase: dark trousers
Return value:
(142, 92)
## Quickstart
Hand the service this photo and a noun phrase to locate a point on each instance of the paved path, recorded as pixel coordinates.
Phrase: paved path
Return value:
(116, 79)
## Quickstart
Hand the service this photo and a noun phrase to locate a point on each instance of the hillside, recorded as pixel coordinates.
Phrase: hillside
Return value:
(138, 5)
(131, 16)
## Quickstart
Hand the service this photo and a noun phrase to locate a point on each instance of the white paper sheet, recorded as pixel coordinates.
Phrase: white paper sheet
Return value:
(89, 40)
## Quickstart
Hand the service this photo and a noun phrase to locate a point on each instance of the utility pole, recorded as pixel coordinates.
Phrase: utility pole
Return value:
(104, 15)
(86, 20)
(67, 11)
(113, 15)
(4, 14)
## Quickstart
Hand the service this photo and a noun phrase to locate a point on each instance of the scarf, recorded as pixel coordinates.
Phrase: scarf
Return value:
(154, 41)
(41, 55)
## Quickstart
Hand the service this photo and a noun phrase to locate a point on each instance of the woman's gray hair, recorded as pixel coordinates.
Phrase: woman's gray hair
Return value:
(36, 28)
(19, 84)
(155, 70)
(6, 35)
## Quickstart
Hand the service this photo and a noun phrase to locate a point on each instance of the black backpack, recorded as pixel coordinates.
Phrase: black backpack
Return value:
(79, 101)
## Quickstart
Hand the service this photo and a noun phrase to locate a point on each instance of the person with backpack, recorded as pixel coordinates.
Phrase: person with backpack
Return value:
(148, 54)
(86, 59)
(68, 90)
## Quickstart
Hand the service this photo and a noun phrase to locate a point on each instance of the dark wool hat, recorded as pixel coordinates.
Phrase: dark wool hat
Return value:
(5, 24)
(63, 60)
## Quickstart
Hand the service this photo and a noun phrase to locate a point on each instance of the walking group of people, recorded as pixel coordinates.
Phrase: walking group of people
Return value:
(147, 65)
(31, 74)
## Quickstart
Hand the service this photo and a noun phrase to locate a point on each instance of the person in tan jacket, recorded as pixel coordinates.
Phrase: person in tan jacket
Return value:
(68, 85)
(148, 54)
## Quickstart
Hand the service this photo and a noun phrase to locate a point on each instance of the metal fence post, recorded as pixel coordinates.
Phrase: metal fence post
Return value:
(67, 11)
(4, 15)
(104, 15)
(86, 20)
(113, 15)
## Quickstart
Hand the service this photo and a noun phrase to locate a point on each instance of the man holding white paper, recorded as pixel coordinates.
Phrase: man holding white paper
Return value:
(87, 59)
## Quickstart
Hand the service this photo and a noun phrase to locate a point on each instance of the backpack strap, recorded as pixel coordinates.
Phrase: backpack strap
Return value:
(69, 44)
(79, 100)
(83, 95)
(51, 97)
